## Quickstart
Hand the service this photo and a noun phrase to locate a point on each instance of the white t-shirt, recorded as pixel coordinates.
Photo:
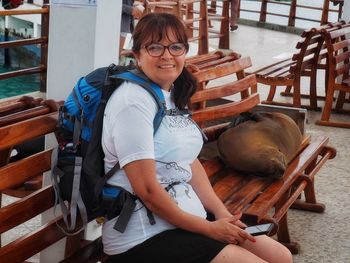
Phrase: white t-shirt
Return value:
(128, 136)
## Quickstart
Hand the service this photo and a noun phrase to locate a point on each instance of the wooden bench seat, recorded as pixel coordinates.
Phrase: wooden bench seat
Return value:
(259, 199)
(255, 197)
(310, 56)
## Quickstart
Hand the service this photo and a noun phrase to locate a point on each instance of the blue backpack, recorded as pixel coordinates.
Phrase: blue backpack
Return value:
(78, 176)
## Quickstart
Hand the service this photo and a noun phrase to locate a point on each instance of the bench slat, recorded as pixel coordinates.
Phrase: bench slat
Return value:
(32, 243)
(23, 115)
(26, 208)
(226, 110)
(14, 174)
(248, 193)
(223, 70)
(23, 131)
(224, 90)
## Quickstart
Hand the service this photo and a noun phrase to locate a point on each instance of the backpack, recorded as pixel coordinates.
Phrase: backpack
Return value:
(78, 175)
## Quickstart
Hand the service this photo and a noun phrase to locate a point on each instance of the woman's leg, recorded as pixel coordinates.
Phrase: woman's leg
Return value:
(234, 253)
(269, 250)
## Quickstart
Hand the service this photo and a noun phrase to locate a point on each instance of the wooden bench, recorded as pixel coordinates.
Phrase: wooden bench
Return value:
(254, 196)
(259, 199)
(10, 106)
(311, 55)
(14, 111)
(338, 46)
(212, 59)
(38, 202)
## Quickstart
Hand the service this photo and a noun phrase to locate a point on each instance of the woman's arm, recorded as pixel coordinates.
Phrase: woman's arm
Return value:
(142, 176)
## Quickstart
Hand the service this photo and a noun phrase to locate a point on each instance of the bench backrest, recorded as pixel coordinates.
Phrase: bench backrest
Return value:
(245, 85)
(312, 49)
(200, 62)
(15, 173)
(25, 108)
(338, 46)
(38, 202)
(10, 106)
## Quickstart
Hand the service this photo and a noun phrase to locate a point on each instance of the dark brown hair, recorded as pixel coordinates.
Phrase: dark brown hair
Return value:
(153, 28)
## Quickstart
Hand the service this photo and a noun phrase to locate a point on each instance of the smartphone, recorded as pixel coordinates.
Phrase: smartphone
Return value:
(258, 230)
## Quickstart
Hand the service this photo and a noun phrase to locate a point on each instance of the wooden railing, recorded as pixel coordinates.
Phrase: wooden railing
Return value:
(293, 6)
(42, 41)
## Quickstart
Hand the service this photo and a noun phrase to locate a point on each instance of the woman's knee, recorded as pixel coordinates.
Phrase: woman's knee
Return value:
(234, 253)
(270, 250)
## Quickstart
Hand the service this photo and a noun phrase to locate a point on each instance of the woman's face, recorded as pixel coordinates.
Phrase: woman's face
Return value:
(162, 70)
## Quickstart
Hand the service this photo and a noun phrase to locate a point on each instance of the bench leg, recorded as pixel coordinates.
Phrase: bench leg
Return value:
(340, 101)
(310, 203)
(283, 232)
(284, 237)
(271, 93)
(296, 94)
(287, 92)
(313, 90)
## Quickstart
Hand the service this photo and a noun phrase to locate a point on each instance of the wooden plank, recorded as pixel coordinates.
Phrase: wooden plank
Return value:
(224, 90)
(32, 243)
(229, 109)
(14, 174)
(223, 70)
(20, 132)
(26, 208)
(23, 115)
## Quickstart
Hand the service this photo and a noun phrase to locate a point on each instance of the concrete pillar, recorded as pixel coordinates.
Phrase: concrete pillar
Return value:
(346, 8)
(81, 38)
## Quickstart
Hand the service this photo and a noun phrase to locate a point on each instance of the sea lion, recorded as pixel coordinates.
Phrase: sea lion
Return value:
(261, 143)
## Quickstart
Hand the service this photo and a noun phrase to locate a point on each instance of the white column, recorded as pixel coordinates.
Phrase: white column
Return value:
(81, 38)
(346, 8)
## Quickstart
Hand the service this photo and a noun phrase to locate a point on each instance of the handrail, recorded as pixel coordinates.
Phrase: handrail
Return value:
(42, 41)
(292, 12)
(24, 42)
(22, 72)
(24, 12)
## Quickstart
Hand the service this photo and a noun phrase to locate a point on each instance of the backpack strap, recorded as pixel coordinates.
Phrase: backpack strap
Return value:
(156, 92)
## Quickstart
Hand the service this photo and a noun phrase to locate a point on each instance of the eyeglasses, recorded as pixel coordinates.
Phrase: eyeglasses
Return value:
(175, 49)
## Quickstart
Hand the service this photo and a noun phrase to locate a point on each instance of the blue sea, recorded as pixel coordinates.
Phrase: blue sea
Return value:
(19, 85)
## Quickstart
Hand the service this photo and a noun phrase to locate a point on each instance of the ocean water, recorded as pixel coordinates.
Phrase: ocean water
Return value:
(19, 85)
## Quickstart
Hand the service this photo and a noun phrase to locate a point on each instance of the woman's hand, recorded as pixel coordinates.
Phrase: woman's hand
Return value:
(228, 230)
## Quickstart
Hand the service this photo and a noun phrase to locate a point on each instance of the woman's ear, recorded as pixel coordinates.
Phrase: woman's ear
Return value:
(137, 58)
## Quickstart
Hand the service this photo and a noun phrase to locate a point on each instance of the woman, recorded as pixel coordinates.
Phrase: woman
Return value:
(162, 169)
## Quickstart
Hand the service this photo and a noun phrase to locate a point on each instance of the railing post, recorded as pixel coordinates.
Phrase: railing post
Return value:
(224, 42)
(7, 58)
(203, 42)
(325, 11)
(292, 13)
(263, 11)
(44, 49)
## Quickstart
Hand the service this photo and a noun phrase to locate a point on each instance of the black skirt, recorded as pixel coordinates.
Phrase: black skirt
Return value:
(172, 246)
